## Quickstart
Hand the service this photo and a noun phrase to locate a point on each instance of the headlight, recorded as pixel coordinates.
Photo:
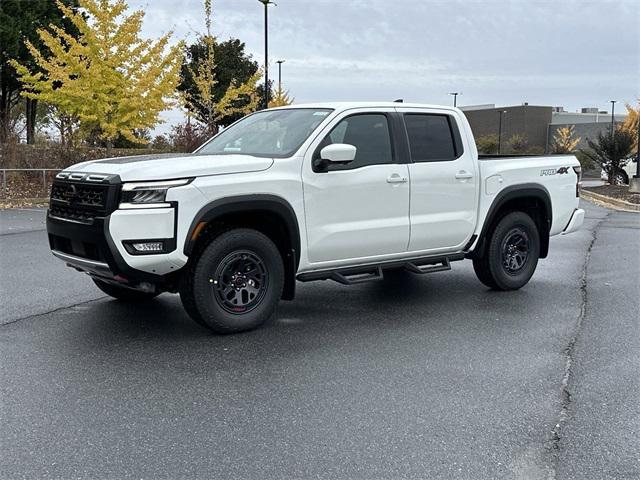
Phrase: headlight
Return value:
(148, 194)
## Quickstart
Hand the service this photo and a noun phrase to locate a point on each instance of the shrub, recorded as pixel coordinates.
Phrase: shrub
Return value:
(585, 161)
(188, 136)
(54, 155)
(518, 143)
(487, 144)
(611, 151)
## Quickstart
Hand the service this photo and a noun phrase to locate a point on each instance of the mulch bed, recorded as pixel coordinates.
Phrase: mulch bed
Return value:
(620, 192)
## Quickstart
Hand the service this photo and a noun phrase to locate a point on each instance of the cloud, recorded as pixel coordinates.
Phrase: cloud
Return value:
(571, 53)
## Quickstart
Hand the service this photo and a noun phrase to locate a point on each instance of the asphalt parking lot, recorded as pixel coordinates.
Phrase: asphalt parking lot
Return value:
(428, 377)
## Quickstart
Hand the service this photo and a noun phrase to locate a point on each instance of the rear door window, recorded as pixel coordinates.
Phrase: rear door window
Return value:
(431, 137)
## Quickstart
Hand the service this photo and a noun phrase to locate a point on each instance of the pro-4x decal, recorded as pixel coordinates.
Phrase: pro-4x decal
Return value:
(554, 171)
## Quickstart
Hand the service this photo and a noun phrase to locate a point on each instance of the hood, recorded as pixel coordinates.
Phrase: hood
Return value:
(172, 165)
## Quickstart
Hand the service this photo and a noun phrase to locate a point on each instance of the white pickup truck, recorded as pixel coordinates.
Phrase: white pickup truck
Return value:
(340, 191)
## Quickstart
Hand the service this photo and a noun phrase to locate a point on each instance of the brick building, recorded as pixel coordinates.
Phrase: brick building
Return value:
(538, 123)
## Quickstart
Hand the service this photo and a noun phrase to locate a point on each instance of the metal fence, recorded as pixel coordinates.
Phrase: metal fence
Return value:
(25, 183)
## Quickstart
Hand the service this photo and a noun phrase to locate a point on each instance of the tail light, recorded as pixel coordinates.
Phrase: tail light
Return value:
(578, 171)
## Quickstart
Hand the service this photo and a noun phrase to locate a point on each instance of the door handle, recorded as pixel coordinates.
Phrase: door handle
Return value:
(463, 175)
(395, 178)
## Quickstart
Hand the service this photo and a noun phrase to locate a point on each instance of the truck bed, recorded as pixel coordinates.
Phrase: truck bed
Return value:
(501, 156)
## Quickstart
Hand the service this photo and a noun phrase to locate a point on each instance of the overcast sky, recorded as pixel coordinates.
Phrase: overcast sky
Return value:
(561, 52)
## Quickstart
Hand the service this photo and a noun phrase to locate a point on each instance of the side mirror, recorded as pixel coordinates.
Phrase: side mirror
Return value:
(340, 153)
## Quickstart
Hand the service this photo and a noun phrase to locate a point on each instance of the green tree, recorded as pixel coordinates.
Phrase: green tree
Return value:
(114, 81)
(611, 151)
(160, 142)
(218, 79)
(19, 21)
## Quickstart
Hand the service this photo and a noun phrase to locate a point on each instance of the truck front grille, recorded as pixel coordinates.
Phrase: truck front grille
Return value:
(79, 195)
(72, 213)
(82, 197)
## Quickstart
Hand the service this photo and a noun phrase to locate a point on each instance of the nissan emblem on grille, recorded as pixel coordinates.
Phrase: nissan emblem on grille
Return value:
(70, 194)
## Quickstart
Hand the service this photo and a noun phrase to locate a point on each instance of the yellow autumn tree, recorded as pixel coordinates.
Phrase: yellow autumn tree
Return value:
(565, 141)
(108, 77)
(239, 98)
(631, 122)
(281, 98)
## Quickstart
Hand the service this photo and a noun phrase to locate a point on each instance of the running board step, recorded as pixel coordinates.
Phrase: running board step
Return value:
(421, 269)
(352, 277)
(366, 273)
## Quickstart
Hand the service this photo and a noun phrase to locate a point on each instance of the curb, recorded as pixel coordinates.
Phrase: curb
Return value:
(609, 202)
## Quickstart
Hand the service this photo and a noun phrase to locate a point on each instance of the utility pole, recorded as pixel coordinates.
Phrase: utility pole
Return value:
(455, 98)
(266, 4)
(500, 131)
(280, 62)
(613, 120)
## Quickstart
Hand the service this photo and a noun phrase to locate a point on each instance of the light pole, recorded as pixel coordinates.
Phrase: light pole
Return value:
(613, 120)
(280, 62)
(455, 98)
(500, 130)
(266, 4)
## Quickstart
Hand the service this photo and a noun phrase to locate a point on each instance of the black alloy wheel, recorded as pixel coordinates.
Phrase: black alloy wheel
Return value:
(515, 250)
(240, 282)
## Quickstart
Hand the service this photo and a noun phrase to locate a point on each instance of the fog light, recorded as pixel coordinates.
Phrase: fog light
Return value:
(148, 247)
(140, 247)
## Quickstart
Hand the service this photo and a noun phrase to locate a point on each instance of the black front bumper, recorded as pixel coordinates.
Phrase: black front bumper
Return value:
(78, 227)
(89, 248)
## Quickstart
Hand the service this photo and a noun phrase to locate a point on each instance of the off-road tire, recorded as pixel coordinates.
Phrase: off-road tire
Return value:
(481, 267)
(198, 288)
(123, 293)
(491, 268)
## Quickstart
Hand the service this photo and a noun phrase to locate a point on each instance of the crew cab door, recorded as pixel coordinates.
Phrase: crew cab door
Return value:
(361, 209)
(444, 181)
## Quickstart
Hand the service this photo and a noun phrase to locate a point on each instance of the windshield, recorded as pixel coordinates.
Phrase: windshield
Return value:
(276, 133)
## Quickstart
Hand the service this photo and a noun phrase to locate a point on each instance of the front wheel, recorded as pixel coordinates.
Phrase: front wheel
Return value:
(236, 282)
(511, 255)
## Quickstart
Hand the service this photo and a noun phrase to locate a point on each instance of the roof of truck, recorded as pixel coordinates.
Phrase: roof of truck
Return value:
(348, 105)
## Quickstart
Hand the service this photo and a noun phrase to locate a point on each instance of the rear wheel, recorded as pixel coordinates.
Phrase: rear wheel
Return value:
(511, 255)
(236, 282)
(123, 293)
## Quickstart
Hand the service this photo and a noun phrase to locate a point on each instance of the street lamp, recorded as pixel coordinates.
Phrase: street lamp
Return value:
(613, 121)
(455, 98)
(500, 130)
(266, 4)
(280, 62)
